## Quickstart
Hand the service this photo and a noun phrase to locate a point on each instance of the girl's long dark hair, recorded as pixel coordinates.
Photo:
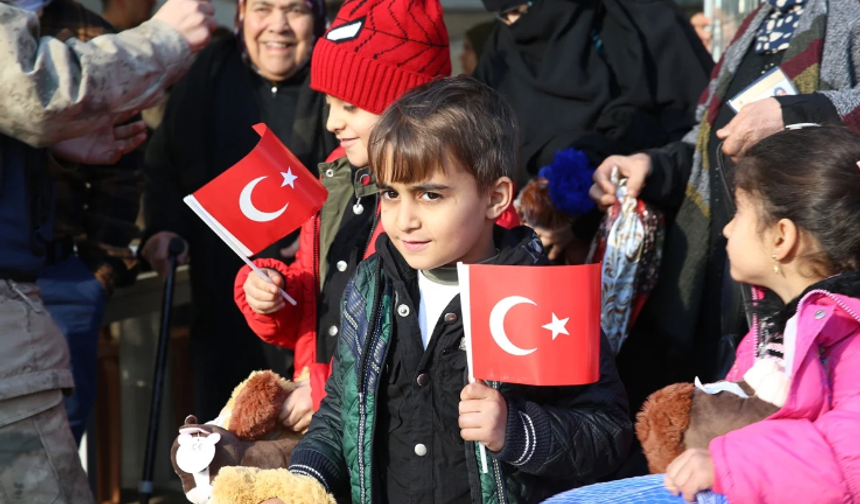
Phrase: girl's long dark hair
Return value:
(811, 177)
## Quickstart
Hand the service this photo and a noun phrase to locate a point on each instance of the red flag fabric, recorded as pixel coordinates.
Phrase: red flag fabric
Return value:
(533, 325)
(260, 199)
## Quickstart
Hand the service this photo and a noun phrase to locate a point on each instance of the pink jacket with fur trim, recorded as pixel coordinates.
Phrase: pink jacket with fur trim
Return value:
(808, 451)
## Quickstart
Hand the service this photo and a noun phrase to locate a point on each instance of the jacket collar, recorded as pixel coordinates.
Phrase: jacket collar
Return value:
(772, 310)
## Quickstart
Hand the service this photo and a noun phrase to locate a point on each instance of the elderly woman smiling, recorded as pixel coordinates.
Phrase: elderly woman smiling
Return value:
(260, 75)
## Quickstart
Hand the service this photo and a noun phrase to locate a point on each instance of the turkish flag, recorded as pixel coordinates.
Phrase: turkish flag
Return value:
(533, 325)
(260, 199)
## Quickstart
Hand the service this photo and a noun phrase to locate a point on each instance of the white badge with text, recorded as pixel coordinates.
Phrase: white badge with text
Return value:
(772, 84)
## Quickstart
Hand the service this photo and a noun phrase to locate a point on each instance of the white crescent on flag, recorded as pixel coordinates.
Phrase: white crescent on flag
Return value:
(497, 324)
(252, 212)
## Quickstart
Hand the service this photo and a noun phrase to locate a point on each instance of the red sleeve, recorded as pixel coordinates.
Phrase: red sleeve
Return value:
(282, 327)
(509, 218)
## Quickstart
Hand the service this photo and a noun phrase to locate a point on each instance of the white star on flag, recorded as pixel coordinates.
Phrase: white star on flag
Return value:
(289, 178)
(557, 326)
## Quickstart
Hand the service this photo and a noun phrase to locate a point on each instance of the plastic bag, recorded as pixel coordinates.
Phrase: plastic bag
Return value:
(629, 243)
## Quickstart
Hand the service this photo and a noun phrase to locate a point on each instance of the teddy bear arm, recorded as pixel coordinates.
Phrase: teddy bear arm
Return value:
(269, 454)
(716, 415)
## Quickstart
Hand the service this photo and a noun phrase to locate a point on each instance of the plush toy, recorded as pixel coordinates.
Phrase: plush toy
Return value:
(684, 415)
(246, 433)
(535, 208)
(553, 203)
(251, 485)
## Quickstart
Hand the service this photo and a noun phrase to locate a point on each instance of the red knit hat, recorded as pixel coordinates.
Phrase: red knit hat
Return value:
(376, 50)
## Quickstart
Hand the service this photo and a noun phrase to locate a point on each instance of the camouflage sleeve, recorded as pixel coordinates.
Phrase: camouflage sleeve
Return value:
(54, 91)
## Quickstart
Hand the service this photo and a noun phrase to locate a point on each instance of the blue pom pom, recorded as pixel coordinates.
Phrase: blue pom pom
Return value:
(569, 178)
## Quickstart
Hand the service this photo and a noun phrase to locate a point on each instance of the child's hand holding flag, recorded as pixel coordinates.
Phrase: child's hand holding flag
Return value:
(483, 416)
(531, 325)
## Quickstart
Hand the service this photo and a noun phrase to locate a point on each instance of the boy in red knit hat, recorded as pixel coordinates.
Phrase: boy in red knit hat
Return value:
(374, 52)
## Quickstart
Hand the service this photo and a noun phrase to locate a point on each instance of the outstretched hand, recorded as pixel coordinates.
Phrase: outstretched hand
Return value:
(103, 147)
(193, 19)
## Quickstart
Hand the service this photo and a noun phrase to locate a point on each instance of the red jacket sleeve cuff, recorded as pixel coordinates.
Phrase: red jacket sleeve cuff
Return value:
(272, 328)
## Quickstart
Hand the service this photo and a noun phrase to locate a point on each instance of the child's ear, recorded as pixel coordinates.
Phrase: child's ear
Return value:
(785, 239)
(501, 194)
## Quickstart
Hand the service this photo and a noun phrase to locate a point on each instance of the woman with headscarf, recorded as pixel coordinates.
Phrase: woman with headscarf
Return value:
(260, 75)
(603, 76)
(473, 45)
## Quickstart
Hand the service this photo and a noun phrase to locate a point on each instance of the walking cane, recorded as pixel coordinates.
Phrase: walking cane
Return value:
(177, 246)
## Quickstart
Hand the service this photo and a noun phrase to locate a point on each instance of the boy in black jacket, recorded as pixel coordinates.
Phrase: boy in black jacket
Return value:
(400, 424)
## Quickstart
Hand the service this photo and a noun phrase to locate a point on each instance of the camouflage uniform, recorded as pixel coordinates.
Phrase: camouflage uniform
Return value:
(53, 91)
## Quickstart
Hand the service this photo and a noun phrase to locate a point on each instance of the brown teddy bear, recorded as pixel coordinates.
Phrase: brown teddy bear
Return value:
(683, 416)
(246, 433)
(251, 485)
(536, 210)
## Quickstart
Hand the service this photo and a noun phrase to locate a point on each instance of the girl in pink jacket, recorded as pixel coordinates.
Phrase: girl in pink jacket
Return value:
(797, 234)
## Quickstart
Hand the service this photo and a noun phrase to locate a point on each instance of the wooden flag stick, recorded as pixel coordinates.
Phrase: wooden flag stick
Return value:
(231, 242)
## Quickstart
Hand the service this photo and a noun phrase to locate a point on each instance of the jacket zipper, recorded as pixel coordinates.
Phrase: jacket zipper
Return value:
(497, 466)
(800, 304)
(370, 342)
(833, 298)
(317, 254)
(828, 294)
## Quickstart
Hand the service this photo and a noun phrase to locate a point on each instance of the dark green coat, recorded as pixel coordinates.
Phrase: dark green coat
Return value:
(588, 430)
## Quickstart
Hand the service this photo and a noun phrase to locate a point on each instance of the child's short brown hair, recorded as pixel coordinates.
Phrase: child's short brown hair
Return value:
(456, 117)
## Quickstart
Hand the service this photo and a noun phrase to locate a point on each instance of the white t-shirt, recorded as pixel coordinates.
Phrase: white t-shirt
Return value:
(435, 297)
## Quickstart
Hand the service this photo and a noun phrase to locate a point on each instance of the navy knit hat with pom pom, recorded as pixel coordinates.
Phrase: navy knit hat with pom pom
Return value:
(569, 178)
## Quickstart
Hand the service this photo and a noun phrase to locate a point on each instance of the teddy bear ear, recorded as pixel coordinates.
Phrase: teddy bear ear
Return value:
(190, 420)
(213, 438)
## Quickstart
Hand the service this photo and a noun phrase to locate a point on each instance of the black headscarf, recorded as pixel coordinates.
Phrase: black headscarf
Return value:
(478, 35)
(604, 76)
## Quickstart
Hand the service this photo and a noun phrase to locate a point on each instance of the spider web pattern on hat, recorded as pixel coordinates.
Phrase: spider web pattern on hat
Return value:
(376, 50)
(405, 38)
